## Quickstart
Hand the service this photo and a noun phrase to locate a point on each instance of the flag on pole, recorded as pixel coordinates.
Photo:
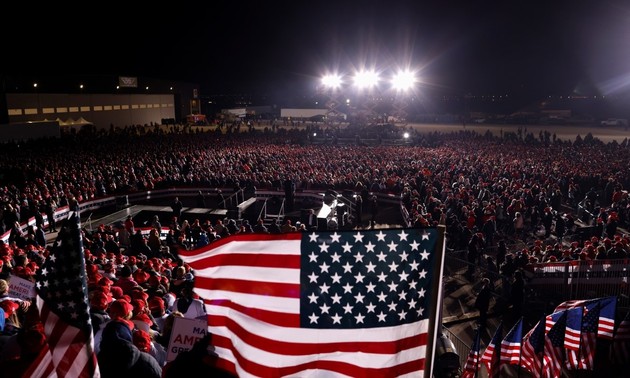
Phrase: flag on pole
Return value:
(352, 303)
(533, 347)
(620, 348)
(551, 319)
(62, 301)
(511, 344)
(573, 331)
(584, 357)
(554, 348)
(607, 311)
(491, 356)
(472, 362)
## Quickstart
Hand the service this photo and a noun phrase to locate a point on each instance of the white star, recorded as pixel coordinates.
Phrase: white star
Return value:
(392, 246)
(313, 277)
(347, 308)
(402, 314)
(323, 247)
(403, 256)
(392, 286)
(421, 293)
(324, 267)
(336, 278)
(425, 236)
(312, 257)
(359, 277)
(347, 247)
(414, 265)
(402, 295)
(336, 257)
(370, 287)
(370, 307)
(359, 318)
(381, 256)
(423, 273)
(358, 257)
(370, 247)
(313, 318)
(392, 306)
(414, 245)
(393, 266)
(44, 271)
(420, 311)
(336, 319)
(382, 297)
(403, 276)
(335, 237)
(312, 298)
(324, 308)
(313, 237)
(336, 298)
(358, 238)
(347, 288)
(413, 284)
(412, 303)
(382, 277)
(370, 267)
(425, 255)
(359, 297)
(380, 236)
(324, 288)
(381, 317)
(347, 268)
(403, 235)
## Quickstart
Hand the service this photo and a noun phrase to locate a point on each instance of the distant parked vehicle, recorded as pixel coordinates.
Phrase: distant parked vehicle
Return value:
(615, 122)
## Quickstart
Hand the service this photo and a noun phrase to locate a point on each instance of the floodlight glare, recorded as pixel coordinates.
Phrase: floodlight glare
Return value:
(406, 135)
(365, 79)
(403, 80)
(331, 81)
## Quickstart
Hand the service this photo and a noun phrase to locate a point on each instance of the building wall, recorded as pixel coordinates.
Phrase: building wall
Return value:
(102, 110)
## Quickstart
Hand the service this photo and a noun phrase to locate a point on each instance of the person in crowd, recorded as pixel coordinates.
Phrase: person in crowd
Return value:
(482, 302)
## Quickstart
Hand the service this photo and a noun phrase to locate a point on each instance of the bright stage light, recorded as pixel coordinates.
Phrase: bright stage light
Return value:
(331, 81)
(403, 80)
(365, 79)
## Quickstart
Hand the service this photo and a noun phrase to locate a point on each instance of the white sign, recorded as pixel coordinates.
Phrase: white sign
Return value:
(21, 288)
(186, 332)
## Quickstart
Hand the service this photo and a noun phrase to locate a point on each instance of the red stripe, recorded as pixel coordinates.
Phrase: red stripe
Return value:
(341, 367)
(248, 260)
(241, 237)
(271, 317)
(298, 349)
(268, 289)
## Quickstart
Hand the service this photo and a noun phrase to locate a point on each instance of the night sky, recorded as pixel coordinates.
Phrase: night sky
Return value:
(481, 47)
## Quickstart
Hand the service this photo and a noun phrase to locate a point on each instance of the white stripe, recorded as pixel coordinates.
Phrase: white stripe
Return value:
(43, 365)
(277, 304)
(284, 334)
(361, 359)
(250, 273)
(276, 247)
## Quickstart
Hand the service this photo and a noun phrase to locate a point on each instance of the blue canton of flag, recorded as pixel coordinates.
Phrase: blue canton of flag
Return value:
(366, 280)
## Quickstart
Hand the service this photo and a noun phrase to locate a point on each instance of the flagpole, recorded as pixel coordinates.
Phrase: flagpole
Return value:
(435, 315)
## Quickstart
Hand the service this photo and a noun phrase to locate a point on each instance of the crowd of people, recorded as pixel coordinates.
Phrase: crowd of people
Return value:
(484, 189)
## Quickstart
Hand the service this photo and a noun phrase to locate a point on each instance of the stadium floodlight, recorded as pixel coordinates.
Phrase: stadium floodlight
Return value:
(403, 80)
(366, 79)
(332, 81)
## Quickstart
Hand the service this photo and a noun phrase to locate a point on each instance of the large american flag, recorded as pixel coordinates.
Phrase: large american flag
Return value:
(347, 303)
(584, 357)
(63, 304)
(511, 344)
(554, 348)
(472, 361)
(491, 356)
(533, 347)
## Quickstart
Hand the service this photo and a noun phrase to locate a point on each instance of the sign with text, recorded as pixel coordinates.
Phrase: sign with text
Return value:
(21, 288)
(186, 332)
(127, 82)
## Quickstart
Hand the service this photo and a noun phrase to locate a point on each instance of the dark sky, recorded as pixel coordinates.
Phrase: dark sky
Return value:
(472, 46)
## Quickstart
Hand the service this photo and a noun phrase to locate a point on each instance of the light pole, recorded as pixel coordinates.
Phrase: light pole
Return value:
(365, 82)
(403, 82)
(331, 84)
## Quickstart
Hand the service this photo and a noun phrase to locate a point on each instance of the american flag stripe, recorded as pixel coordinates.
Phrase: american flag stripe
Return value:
(284, 305)
(43, 366)
(511, 353)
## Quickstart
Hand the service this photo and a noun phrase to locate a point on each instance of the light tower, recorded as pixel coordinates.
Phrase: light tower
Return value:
(403, 82)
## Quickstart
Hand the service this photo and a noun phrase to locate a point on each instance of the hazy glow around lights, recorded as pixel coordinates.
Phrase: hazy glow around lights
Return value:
(403, 80)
